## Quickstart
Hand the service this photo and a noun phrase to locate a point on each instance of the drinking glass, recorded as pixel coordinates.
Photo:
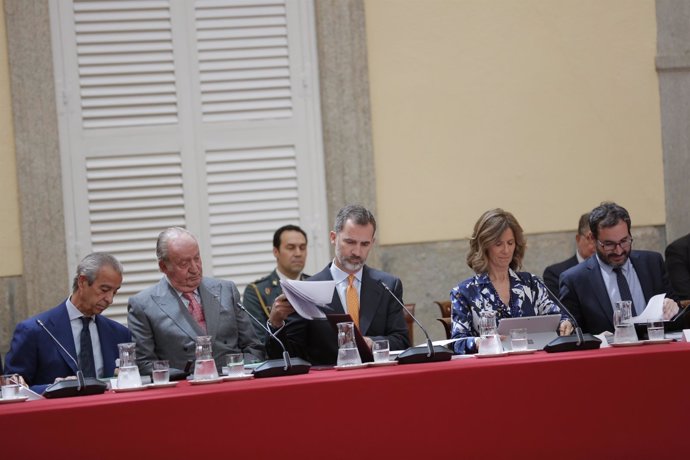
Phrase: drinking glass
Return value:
(655, 329)
(381, 351)
(161, 372)
(518, 339)
(234, 364)
(10, 385)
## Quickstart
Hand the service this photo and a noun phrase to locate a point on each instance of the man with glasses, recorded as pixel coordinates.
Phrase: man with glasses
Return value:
(617, 272)
(584, 248)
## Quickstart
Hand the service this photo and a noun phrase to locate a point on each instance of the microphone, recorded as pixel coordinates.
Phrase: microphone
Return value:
(576, 342)
(277, 367)
(414, 355)
(67, 388)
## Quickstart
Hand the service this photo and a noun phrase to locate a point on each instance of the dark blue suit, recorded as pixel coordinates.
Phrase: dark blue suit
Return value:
(381, 317)
(38, 359)
(552, 273)
(583, 291)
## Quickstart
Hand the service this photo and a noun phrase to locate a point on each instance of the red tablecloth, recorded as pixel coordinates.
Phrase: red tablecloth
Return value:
(616, 403)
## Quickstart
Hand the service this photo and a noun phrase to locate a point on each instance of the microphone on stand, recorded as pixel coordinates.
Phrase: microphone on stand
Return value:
(278, 367)
(67, 388)
(414, 355)
(576, 342)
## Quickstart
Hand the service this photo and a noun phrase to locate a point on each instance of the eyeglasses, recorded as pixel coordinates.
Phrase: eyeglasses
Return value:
(625, 243)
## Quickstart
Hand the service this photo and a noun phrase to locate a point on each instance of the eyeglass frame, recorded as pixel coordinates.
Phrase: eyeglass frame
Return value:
(608, 246)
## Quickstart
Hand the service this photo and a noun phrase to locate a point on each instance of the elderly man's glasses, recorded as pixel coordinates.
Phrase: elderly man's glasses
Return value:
(625, 243)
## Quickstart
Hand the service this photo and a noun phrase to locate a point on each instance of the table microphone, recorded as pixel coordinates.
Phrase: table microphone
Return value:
(66, 388)
(579, 341)
(414, 355)
(278, 367)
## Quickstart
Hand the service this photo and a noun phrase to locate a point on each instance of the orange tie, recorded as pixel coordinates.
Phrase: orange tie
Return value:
(352, 299)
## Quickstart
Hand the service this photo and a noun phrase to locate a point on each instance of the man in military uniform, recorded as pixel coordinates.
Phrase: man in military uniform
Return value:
(290, 251)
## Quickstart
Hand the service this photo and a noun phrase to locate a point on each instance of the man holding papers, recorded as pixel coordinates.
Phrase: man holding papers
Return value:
(357, 292)
(589, 290)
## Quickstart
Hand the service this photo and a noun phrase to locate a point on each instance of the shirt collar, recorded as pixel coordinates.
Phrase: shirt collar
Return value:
(339, 276)
(282, 276)
(609, 269)
(72, 310)
(180, 293)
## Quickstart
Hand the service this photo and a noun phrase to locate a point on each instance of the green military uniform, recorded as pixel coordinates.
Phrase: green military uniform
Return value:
(259, 296)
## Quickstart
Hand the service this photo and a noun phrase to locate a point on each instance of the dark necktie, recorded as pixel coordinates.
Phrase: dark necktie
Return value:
(624, 288)
(86, 361)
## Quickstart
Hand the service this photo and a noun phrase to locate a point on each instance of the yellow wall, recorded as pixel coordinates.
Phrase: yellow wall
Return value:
(10, 240)
(542, 107)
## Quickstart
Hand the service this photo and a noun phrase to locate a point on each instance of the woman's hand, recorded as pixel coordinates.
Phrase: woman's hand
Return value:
(566, 328)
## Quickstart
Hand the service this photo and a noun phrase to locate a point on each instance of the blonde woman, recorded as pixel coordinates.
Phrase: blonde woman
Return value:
(497, 247)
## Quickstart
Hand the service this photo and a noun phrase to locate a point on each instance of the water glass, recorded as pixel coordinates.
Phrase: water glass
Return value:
(161, 372)
(234, 364)
(381, 351)
(655, 329)
(518, 339)
(10, 386)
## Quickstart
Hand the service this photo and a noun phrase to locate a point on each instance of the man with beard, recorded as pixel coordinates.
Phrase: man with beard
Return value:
(357, 292)
(591, 289)
(166, 318)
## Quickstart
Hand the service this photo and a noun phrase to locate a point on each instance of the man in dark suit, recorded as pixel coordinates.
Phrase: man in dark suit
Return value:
(584, 244)
(590, 289)
(357, 292)
(77, 324)
(166, 318)
(290, 251)
(678, 266)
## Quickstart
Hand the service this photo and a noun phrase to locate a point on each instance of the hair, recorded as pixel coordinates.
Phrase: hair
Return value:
(286, 228)
(487, 231)
(164, 239)
(92, 264)
(583, 224)
(358, 214)
(607, 214)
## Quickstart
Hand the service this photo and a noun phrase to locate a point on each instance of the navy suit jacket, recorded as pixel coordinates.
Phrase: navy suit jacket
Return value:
(381, 317)
(37, 358)
(678, 266)
(553, 272)
(583, 291)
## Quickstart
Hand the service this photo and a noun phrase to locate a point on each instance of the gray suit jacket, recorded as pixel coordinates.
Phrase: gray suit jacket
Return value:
(163, 328)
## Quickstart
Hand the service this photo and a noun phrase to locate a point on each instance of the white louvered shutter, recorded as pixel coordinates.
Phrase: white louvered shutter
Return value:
(201, 114)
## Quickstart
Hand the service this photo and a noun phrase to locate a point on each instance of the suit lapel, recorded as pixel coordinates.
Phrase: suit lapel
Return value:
(167, 300)
(210, 302)
(369, 300)
(61, 328)
(599, 288)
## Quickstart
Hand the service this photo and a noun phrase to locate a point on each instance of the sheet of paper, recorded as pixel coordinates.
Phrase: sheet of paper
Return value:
(306, 296)
(604, 338)
(443, 342)
(654, 309)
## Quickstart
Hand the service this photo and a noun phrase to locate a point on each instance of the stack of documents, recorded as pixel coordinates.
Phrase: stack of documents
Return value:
(306, 296)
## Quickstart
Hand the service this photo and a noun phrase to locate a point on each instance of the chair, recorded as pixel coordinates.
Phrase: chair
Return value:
(410, 321)
(444, 306)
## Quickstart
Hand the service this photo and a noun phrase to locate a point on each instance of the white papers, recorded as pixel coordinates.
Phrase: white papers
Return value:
(604, 338)
(304, 296)
(654, 309)
(443, 343)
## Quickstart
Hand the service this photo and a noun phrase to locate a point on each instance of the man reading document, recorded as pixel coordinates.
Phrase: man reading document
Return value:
(357, 292)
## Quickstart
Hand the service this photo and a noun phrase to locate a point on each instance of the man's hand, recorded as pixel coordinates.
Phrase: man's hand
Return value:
(670, 308)
(280, 310)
